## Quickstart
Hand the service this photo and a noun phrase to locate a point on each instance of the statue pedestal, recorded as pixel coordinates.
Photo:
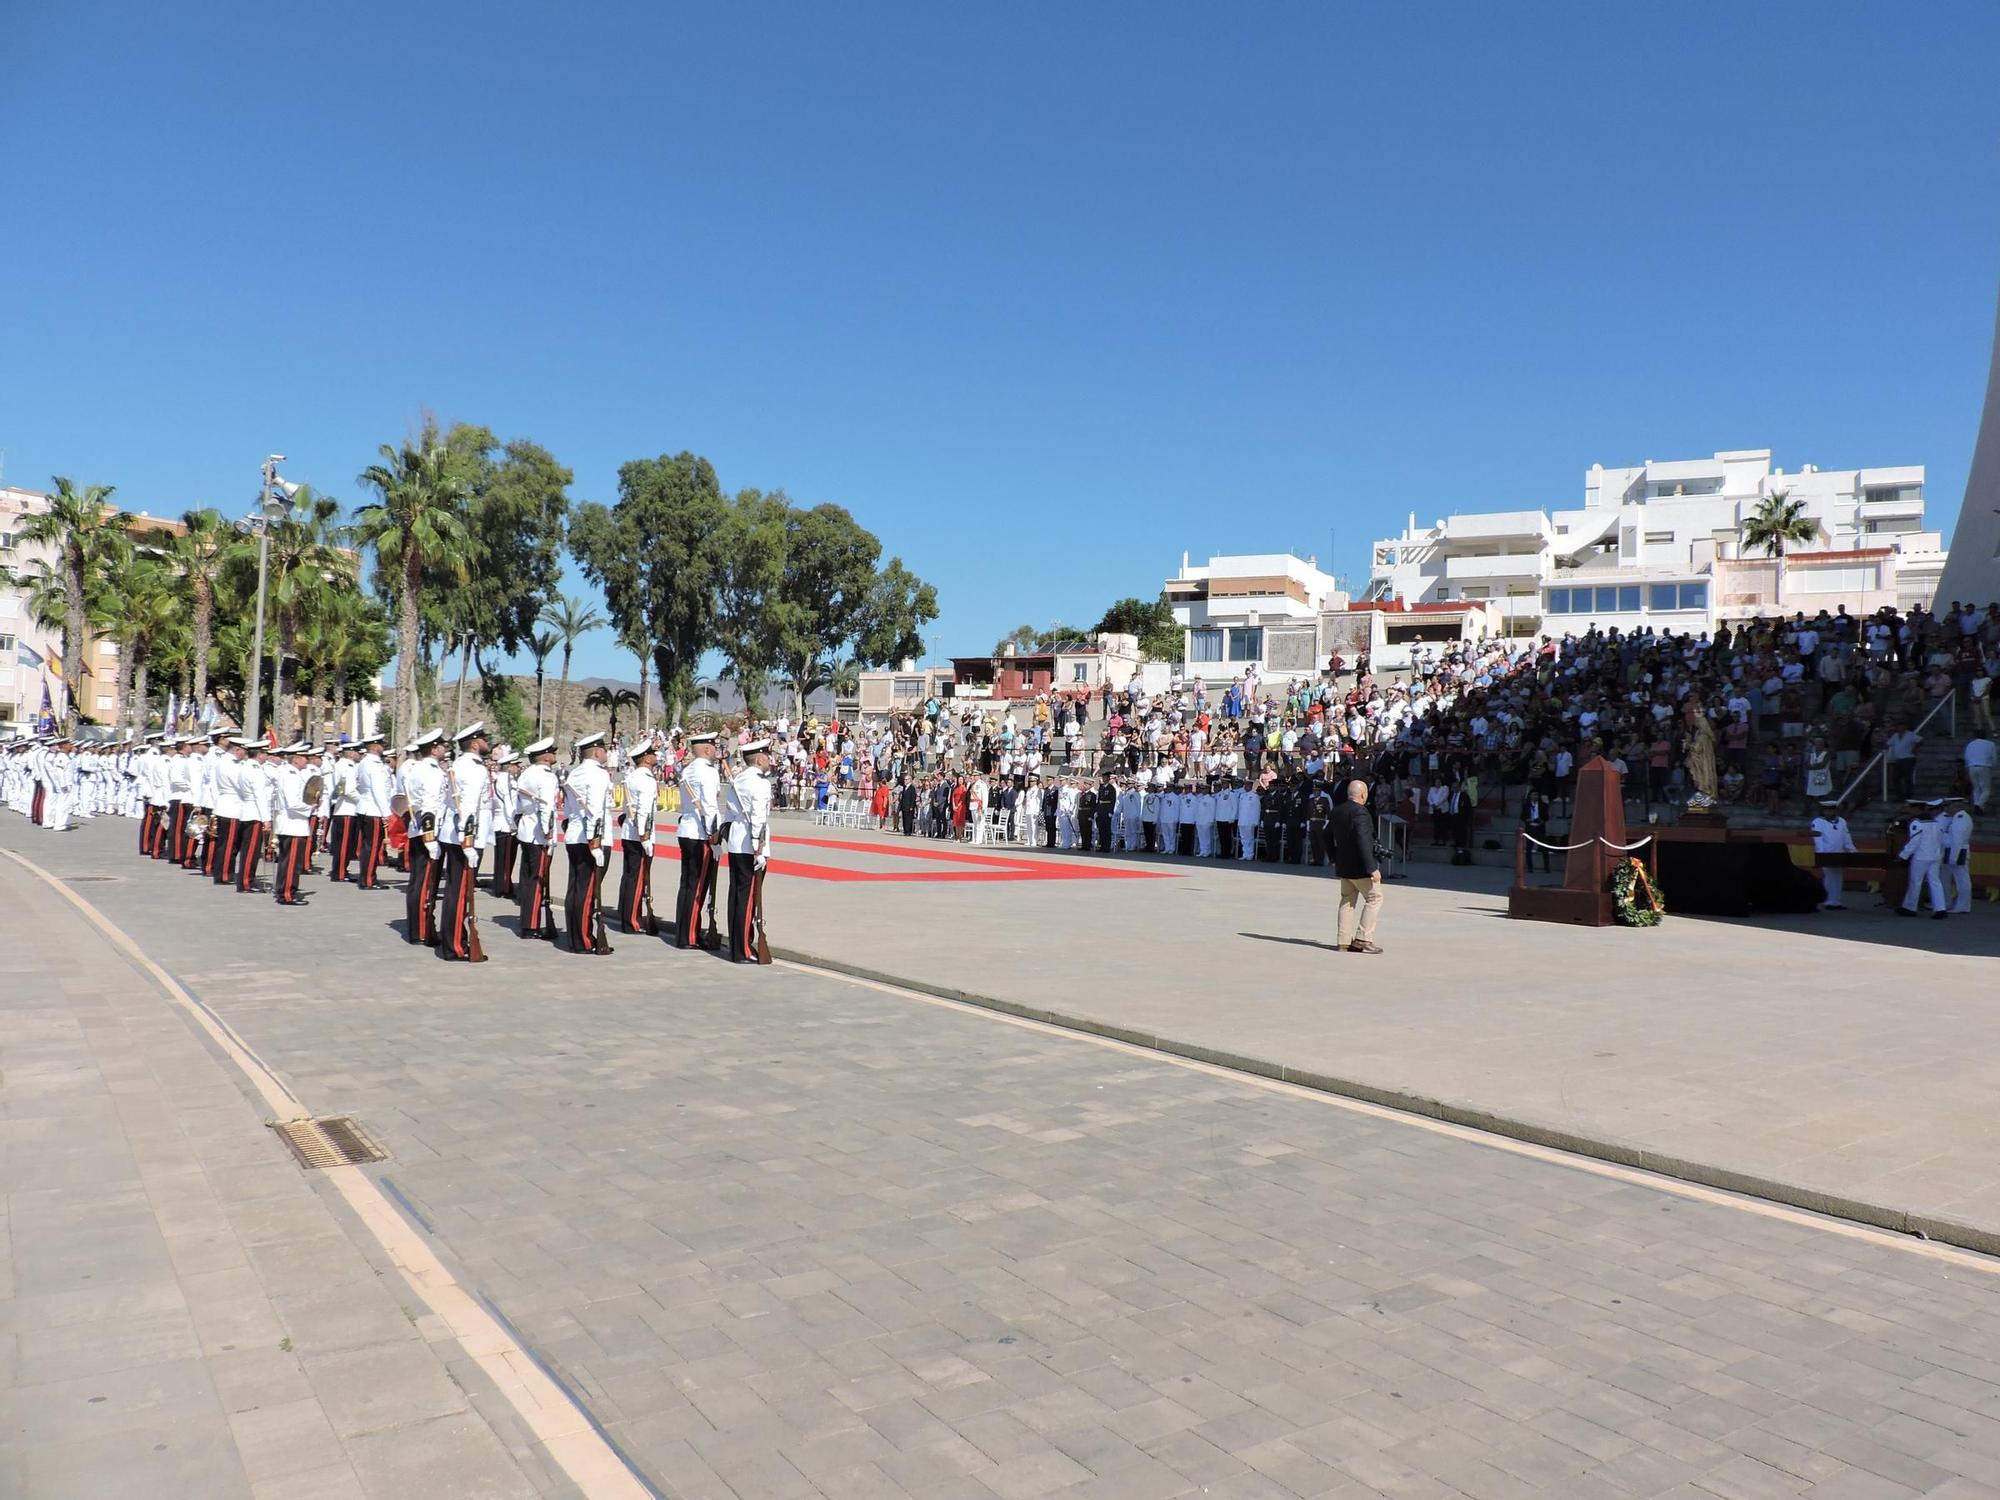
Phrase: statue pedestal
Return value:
(1597, 826)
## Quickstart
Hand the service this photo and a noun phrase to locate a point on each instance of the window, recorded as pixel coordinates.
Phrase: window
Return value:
(1659, 539)
(1205, 644)
(1669, 596)
(103, 701)
(1479, 592)
(1628, 598)
(6, 648)
(1080, 671)
(908, 689)
(1607, 601)
(1879, 494)
(107, 648)
(1558, 601)
(1885, 524)
(1834, 580)
(6, 541)
(1247, 644)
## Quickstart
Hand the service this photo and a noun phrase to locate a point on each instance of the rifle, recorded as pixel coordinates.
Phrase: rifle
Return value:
(473, 952)
(652, 923)
(758, 940)
(710, 935)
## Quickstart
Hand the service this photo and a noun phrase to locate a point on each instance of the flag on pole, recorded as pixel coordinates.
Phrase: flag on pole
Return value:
(26, 655)
(172, 722)
(46, 724)
(208, 714)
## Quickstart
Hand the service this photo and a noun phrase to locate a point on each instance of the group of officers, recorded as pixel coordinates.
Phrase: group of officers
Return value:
(1219, 817)
(1932, 839)
(219, 804)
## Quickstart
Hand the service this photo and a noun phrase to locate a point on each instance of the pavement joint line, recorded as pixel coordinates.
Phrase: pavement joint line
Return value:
(1915, 1234)
(590, 1460)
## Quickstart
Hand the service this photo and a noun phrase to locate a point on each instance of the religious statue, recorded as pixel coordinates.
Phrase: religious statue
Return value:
(1699, 754)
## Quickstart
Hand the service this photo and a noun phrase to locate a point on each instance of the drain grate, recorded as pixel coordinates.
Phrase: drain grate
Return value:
(333, 1142)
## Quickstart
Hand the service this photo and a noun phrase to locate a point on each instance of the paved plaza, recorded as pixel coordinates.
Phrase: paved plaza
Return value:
(784, 1234)
(1850, 1056)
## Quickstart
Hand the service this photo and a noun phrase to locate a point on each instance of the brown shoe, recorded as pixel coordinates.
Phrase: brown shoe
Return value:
(1357, 946)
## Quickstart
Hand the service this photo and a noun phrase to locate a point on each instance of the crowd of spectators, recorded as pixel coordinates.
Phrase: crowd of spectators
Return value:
(1796, 706)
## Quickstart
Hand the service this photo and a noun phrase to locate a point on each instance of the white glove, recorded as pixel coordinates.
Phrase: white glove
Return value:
(598, 854)
(762, 860)
(432, 848)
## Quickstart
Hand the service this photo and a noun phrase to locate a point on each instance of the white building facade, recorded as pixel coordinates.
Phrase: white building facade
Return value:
(1659, 545)
(1260, 609)
(30, 655)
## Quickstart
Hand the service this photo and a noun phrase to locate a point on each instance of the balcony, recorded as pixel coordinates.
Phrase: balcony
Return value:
(1496, 525)
(1501, 565)
(1899, 504)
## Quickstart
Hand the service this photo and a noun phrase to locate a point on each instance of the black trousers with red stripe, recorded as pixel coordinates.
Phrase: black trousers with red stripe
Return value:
(149, 823)
(176, 839)
(697, 873)
(580, 908)
(635, 882)
(538, 917)
(420, 921)
(503, 865)
(742, 872)
(292, 849)
(340, 842)
(368, 850)
(223, 850)
(455, 917)
(251, 851)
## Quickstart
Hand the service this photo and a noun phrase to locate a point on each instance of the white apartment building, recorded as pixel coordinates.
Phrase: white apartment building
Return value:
(29, 654)
(1659, 544)
(1261, 608)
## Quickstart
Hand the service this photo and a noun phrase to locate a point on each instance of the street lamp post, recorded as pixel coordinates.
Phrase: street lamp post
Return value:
(255, 711)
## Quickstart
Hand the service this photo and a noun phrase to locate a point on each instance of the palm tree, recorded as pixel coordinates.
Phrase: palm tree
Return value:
(148, 613)
(571, 619)
(612, 699)
(541, 643)
(305, 561)
(199, 553)
(75, 526)
(1778, 520)
(417, 524)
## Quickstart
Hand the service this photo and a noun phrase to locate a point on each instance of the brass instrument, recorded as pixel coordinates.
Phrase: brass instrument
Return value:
(315, 788)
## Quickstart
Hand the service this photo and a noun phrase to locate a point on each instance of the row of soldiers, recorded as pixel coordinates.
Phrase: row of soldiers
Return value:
(1221, 817)
(219, 804)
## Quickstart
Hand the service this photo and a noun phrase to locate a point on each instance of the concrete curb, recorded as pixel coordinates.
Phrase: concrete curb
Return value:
(1705, 1174)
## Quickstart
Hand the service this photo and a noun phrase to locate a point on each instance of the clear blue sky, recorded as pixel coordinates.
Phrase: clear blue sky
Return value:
(1044, 294)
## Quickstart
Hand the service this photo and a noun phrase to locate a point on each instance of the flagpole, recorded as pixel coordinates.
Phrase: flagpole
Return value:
(254, 711)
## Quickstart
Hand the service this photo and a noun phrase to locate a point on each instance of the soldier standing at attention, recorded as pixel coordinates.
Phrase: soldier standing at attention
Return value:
(587, 810)
(537, 800)
(747, 809)
(700, 823)
(642, 797)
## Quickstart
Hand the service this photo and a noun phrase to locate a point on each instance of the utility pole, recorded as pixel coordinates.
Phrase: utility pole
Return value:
(254, 711)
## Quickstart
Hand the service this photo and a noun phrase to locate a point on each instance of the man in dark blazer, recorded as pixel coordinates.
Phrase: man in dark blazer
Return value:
(1350, 836)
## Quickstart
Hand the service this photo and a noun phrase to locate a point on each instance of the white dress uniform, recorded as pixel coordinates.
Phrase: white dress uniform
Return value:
(586, 822)
(1830, 836)
(1957, 834)
(536, 796)
(1249, 813)
(747, 807)
(1924, 849)
(1204, 825)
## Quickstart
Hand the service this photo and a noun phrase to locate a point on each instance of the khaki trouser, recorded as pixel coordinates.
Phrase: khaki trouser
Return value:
(1362, 900)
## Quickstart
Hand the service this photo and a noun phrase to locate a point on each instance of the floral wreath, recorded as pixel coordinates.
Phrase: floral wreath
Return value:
(1638, 903)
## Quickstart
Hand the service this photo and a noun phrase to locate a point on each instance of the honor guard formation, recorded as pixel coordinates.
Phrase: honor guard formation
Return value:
(439, 811)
